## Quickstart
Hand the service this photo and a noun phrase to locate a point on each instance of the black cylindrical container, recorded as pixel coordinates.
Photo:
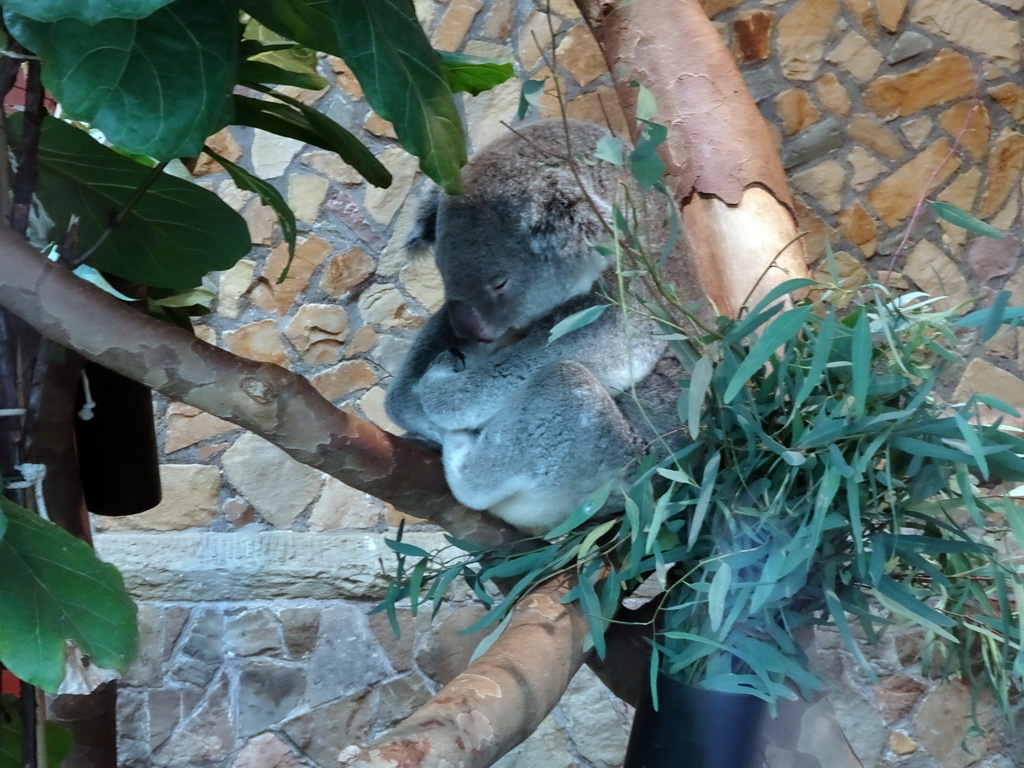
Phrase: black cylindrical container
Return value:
(695, 728)
(117, 450)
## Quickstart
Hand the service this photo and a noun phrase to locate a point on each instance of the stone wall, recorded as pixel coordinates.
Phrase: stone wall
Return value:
(255, 574)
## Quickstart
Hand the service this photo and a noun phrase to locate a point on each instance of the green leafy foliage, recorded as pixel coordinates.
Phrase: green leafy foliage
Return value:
(54, 589)
(157, 85)
(87, 11)
(173, 235)
(472, 74)
(401, 75)
(961, 218)
(58, 739)
(821, 480)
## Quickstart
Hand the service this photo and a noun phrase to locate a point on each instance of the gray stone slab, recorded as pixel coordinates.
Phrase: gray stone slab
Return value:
(208, 566)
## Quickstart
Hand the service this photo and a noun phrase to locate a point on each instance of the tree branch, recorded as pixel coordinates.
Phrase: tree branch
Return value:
(723, 166)
(499, 700)
(272, 402)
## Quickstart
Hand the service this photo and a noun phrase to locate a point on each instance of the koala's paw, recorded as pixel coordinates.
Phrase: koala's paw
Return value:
(449, 362)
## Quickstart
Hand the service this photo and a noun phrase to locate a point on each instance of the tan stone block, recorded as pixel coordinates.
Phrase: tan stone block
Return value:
(859, 228)
(866, 168)
(394, 254)
(752, 35)
(815, 227)
(890, 13)
(345, 271)
(423, 282)
(332, 166)
(832, 94)
(1005, 218)
(341, 507)
(223, 142)
(948, 76)
(455, 23)
(206, 452)
(362, 341)
(796, 110)
(500, 21)
(864, 12)
(1004, 170)
(344, 378)
(894, 280)
(895, 197)
(602, 107)
(381, 204)
(554, 90)
(714, 7)
(273, 296)
(257, 341)
(318, 332)
(344, 77)
(901, 744)
(187, 425)
(962, 193)
(850, 272)
(488, 50)
(565, 8)
(306, 193)
(265, 751)
(971, 123)
(262, 223)
(304, 95)
(372, 406)
(189, 501)
(1010, 97)
(233, 284)
(271, 154)
(873, 135)
(802, 34)
(579, 53)
(485, 113)
(276, 485)
(937, 275)
(824, 183)
(231, 194)
(917, 130)
(534, 40)
(385, 307)
(205, 333)
(974, 26)
(857, 56)
(378, 126)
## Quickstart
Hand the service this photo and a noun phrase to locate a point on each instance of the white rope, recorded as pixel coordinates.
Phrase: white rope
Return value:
(12, 411)
(89, 405)
(33, 475)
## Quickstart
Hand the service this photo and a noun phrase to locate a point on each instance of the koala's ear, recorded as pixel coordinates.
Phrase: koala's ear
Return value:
(424, 231)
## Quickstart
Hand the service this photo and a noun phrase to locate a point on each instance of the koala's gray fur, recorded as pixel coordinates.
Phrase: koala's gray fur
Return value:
(528, 429)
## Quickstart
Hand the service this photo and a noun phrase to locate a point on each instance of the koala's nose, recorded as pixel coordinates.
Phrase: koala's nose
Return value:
(467, 322)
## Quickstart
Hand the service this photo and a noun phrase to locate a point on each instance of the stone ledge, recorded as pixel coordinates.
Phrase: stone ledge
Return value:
(207, 566)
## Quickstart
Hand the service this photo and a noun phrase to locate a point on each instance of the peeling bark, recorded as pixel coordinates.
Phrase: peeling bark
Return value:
(723, 167)
(272, 402)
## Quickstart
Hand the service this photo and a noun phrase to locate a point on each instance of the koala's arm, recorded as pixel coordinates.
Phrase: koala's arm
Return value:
(403, 403)
(460, 397)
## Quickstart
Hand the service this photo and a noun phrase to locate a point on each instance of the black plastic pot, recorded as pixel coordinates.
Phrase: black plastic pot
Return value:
(117, 451)
(695, 728)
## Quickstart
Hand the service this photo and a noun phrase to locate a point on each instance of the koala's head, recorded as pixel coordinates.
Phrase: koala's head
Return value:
(520, 241)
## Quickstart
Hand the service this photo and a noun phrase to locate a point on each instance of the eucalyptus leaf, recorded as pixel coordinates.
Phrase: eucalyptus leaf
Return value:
(157, 84)
(529, 95)
(576, 321)
(964, 220)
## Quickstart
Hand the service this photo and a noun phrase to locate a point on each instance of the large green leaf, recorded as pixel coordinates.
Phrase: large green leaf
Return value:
(400, 73)
(89, 11)
(298, 121)
(157, 85)
(53, 589)
(472, 74)
(173, 235)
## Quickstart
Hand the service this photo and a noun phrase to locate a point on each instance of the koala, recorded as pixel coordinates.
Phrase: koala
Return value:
(527, 428)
